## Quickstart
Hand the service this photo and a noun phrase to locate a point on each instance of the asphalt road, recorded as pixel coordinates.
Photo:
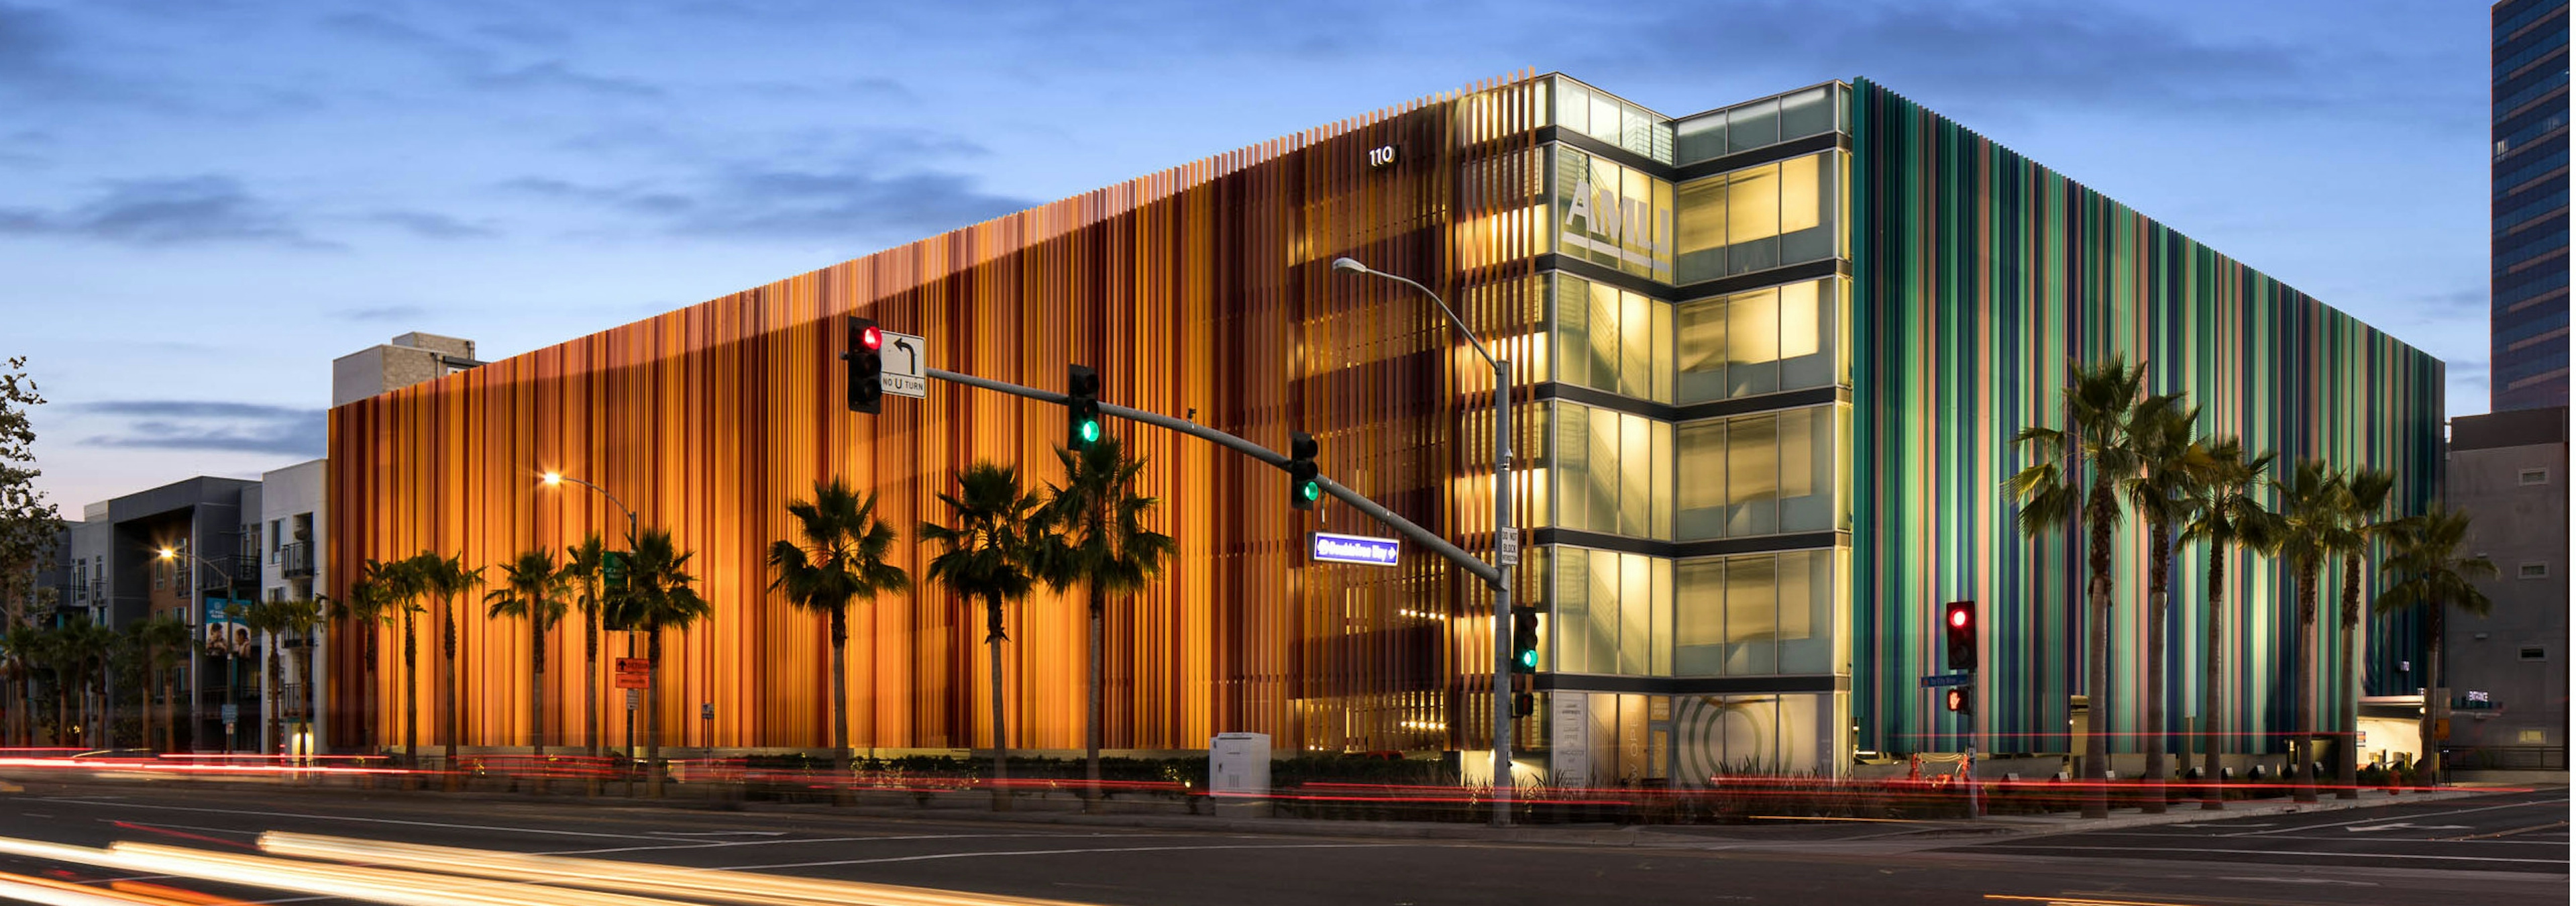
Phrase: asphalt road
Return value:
(2524, 832)
(1091, 863)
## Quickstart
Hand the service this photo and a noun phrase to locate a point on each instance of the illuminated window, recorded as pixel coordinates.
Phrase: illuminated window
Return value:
(1757, 218)
(1759, 341)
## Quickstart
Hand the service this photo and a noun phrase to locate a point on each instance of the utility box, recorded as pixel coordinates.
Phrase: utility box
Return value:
(1239, 774)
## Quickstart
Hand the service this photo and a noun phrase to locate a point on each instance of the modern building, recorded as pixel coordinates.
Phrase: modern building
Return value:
(2507, 671)
(1770, 362)
(409, 359)
(2529, 215)
(206, 527)
(292, 526)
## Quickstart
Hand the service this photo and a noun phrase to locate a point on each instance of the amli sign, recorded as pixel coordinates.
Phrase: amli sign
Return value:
(1361, 549)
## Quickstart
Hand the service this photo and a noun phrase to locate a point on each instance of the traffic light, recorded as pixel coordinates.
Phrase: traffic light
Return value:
(1523, 703)
(867, 365)
(1959, 634)
(1959, 698)
(1081, 407)
(1304, 488)
(1524, 640)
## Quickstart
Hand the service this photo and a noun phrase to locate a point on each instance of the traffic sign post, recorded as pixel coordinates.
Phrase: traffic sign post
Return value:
(634, 672)
(906, 364)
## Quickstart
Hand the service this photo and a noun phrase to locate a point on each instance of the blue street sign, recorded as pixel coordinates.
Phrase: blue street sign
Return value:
(1938, 680)
(1361, 549)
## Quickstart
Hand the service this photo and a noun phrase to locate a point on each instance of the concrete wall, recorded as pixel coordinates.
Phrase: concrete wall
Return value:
(2508, 471)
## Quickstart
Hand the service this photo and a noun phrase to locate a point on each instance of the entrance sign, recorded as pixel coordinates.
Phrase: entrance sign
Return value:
(902, 356)
(1361, 549)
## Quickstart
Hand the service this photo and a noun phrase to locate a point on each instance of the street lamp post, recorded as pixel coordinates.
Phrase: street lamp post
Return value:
(232, 661)
(552, 479)
(1503, 787)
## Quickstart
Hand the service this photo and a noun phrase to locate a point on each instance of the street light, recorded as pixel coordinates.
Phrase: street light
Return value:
(1503, 530)
(232, 658)
(556, 478)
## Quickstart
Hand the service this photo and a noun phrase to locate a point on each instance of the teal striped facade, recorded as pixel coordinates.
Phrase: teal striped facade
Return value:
(1978, 276)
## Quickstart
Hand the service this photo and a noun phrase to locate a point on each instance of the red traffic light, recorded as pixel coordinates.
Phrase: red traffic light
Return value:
(871, 338)
(1956, 699)
(1959, 618)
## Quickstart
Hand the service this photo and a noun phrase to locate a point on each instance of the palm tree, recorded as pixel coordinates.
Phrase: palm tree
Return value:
(2424, 555)
(532, 589)
(2171, 465)
(843, 557)
(398, 592)
(986, 556)
(274, 621)
(2365, 500)
(23, 648)
(1094, 534)
(657, 596)
(447, 577)
(2055, 493)
(2310, 518)
(582, 565)
(375, 596)
(2226, 516)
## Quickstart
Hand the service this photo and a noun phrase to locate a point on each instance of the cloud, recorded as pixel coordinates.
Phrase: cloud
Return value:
(32, 42)
(2001, 55)
(757, 201)
(432, 225)
(381, 313)
(208, 425)
(480, 67)
(188, 210)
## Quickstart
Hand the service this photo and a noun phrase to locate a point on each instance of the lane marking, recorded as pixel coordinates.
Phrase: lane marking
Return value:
(2301, 881)
(2404, 840)
(481, 827)
(1062, 852)
(2464, 811)
(2080, 901)
(2215, 826)
(2274, 852)
(2490, 838)
(2401, 825)
(727, 843)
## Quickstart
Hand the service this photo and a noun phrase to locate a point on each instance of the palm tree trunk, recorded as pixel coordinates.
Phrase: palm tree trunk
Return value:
(169, 710)
(537, 700)
(1091, 769)
(840, 708)
(993, 639)
(590, 677)
(2348, 686)
(2429, 766)
(455, 695)
(653, 715)
(2304, 787)
(276, 696)
(2153, 712)
(411, 694)
(2097, 680)
(2209, 687)
(304, 658)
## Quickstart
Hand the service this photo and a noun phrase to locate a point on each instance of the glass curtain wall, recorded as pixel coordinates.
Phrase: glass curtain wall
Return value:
(1762, 341)
(1612, 215)
(1762, 474)
(1612, 339)
(1612, 471)
(1761, 217)
(1747, 615)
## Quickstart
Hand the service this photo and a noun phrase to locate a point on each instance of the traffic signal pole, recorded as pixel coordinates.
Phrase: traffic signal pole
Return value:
(1483, 571)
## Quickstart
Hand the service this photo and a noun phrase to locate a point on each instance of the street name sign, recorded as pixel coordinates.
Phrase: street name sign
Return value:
(902, 357)
(1360, 549)
(1939, 680)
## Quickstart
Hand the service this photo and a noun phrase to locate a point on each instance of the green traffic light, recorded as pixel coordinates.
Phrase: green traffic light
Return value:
(1090, 431)
(1529, 659)
(1312, 490)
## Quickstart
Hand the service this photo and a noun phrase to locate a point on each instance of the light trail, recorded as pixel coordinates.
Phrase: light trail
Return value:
(607, 874)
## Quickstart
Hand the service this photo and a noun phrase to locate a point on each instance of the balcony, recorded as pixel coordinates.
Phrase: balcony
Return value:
(295, 561)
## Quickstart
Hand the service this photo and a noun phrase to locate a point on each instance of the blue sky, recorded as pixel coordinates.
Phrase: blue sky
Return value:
(203, 203)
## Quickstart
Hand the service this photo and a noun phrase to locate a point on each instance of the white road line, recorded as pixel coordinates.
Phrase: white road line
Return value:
(2154, 836)
(1061, 852)
(482, 827)
(2463, 811)
(736, 843)
(2273, 852)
